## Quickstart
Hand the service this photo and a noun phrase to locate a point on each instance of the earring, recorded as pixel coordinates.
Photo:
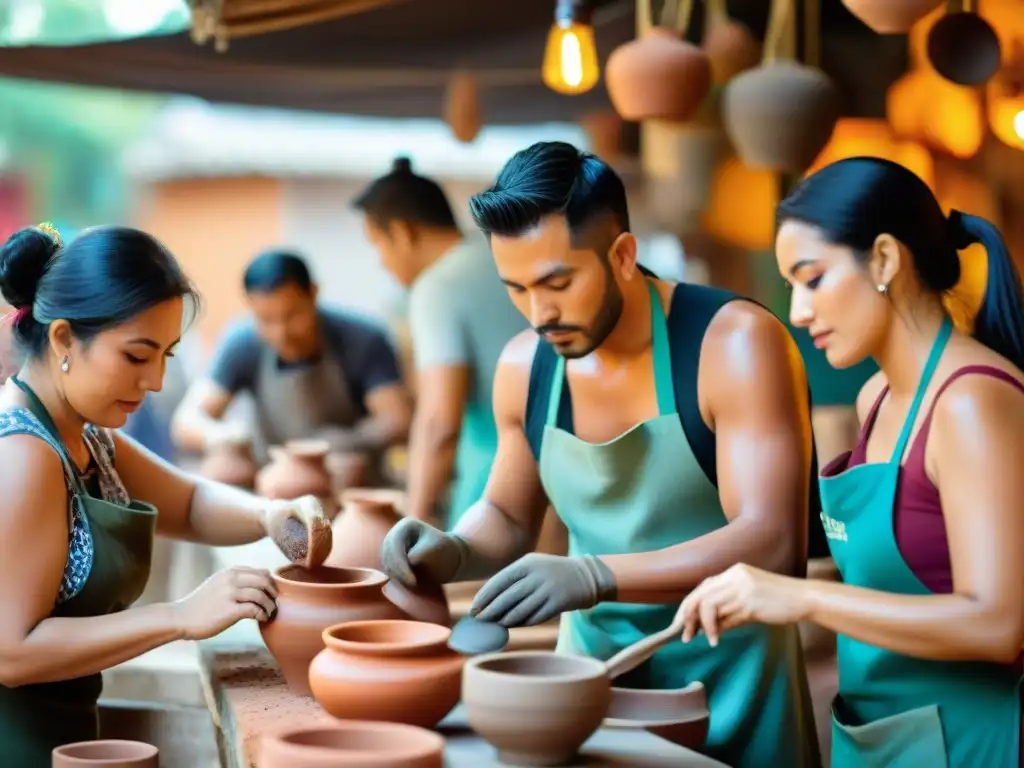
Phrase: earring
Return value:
(882, 287)
(65, 364)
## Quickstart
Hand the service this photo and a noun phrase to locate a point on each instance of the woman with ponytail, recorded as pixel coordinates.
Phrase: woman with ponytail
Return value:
(923, 517)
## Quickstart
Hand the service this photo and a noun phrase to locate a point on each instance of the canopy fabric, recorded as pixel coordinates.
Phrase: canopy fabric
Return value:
(395, 60)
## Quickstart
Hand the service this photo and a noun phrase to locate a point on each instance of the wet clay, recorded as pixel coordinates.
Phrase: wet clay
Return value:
(472, 637)
(387, 671)
(109, 753)
(311, 600)
(535, 707)
(353, 744)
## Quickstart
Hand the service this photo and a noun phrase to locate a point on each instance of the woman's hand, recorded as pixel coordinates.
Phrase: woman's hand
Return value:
(744, 595)
(300, 529)
(223, 600)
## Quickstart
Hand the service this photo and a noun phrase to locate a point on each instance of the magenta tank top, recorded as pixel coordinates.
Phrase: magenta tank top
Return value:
(917, 512)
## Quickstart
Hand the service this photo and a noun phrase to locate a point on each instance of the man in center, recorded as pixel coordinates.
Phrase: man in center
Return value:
(669, 427)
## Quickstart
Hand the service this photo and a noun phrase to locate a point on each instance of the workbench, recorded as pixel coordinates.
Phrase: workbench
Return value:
(248, 698)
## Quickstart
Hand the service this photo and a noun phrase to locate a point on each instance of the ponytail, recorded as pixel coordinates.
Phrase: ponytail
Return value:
(999, 324)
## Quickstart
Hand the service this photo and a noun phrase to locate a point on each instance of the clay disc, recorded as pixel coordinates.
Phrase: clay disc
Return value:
(471, 637)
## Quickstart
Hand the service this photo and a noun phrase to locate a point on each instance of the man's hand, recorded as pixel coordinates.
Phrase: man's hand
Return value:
(413, 546)
(536, 588)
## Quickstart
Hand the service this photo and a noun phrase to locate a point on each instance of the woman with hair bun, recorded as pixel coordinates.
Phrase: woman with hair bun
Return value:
(923, 517)
(95, 321)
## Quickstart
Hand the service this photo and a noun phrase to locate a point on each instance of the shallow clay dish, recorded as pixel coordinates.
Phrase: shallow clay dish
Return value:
(354, 744)
(536, 708)
(680, 716)
(109, 753)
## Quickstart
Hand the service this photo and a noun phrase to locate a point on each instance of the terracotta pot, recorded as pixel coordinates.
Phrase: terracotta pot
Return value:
(354, 744)
(387, 671)
(298, 469)
(109, 753)
(347, 470)
(535, 708)
(308, 602)
(731, 49)
(890, 17)
(780, 115)
(358, 532)
(659, 76)
(231, 463)
(366, 517)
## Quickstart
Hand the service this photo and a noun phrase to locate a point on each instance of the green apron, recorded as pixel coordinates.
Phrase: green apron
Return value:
(894, 710)
(36, 718)
(644, 491)
(478, 443)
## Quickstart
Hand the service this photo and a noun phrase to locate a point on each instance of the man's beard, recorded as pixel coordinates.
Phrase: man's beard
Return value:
(603, 324)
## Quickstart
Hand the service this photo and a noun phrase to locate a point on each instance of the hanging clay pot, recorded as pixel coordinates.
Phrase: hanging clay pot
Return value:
(462, 107)
(730, 47)
(353, 744)
(298, 469)
(231, 463)
(387, 671)
(308, 602)
(106, 752)
(358, 532)
(659, 76)
(964, 49)
(891, 17)
(780, 115)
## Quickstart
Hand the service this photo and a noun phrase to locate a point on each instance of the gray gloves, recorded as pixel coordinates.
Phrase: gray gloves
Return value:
(536, 588)
(414, 547)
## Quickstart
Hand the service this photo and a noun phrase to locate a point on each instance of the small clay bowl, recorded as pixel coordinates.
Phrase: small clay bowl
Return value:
(354, 743)
(537, 708)
(680, 715)
(108, 753)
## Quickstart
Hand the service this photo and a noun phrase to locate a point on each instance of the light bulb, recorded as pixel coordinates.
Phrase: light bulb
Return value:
(570, 57)
(1018, 124)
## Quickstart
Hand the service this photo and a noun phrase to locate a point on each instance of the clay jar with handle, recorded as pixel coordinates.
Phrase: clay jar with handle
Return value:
(308, 602)
(388, 671)
(298, 469)
(110, 753)
(353, 744)
(891, 17)
(231, 462)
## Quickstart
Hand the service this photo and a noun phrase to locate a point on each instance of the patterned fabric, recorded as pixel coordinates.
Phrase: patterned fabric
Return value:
(21, 421)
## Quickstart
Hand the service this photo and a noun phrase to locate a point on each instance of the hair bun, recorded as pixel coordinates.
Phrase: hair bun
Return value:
(960, 236)
(401, 165)
(23, 259)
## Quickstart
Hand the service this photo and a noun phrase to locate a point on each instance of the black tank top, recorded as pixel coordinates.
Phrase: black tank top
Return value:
(691, 311)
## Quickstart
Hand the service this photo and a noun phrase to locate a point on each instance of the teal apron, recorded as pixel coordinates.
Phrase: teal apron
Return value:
(36, 718)
(644, 491)
(478, 443)
(894, 710)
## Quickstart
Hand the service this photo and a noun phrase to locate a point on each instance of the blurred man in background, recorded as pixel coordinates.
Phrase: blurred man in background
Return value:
(313, 371)
(460, 318)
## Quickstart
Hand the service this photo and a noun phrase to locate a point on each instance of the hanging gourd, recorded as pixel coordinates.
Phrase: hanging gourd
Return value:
(658, 76)
(462, 107)
(741, 209)
(780, 115)
(889, 17)
(963, 47)
(925, 106)
(730, 47)
(866, 137)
